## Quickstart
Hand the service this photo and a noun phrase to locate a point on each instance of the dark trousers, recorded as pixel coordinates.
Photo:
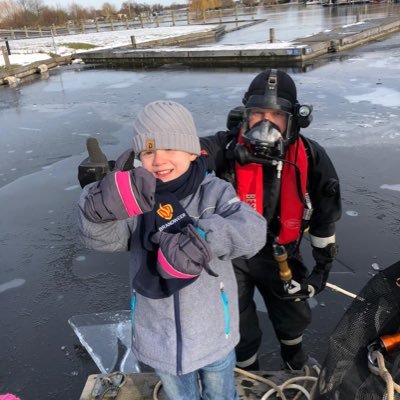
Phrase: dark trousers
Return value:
(289, 319)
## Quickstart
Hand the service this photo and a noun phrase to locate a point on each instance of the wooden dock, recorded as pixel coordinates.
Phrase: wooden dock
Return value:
(36, 68)
(294, 54)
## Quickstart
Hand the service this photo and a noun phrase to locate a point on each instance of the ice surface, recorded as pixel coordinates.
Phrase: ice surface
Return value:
(352, 213)
(391, 187)
(107, 338)
(383, 96)
(11, 284)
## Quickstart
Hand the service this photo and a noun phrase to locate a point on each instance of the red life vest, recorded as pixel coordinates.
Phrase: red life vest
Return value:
(249, 186)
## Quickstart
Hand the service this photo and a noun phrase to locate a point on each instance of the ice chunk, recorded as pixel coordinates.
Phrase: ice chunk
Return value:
(375, 266)
(107, 338)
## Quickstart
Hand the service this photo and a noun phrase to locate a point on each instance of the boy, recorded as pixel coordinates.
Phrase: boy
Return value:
(182, 227)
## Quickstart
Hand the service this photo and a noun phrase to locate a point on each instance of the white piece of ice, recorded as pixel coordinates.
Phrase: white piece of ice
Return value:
(107, 338)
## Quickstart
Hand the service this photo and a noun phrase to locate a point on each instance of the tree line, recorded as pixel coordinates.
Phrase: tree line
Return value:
(32, 13)
(16, 14)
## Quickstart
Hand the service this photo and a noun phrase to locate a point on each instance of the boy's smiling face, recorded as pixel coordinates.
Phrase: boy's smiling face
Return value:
(166, 165)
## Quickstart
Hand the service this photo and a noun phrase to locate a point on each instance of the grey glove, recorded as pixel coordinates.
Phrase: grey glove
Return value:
(124, 162)
(181, 255)
(121, 195)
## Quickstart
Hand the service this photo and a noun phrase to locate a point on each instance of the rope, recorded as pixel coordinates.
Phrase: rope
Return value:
(156, 389)
(381, 371)
(339, 289)
(108, 382)
(275, 389)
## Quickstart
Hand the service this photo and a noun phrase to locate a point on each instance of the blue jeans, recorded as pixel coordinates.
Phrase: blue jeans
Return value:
(217, 382)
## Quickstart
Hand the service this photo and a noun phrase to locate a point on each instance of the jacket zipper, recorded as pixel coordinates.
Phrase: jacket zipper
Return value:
(133, 305)
(178, 334)
(225, 303)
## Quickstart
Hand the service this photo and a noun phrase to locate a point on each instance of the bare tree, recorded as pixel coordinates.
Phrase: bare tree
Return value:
(9, 10)
(128, 8)
(76, 12)
(52, 15)
(227, 3)
(33, 6)
(108, 10)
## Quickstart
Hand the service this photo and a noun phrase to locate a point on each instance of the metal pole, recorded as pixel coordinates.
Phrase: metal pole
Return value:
(8, 46)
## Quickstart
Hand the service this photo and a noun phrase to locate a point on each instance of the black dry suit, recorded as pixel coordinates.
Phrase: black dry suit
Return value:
(289, 318)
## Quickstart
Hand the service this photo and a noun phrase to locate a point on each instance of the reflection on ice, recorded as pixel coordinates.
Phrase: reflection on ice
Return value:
(11, 284)
(382, 96)
(175, 95)
(391, 187)
(107, 338)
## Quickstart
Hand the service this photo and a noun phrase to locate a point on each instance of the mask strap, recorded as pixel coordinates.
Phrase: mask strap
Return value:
(271, 89)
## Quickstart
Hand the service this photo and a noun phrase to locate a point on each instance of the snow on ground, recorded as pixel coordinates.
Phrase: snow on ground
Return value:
(26, 51)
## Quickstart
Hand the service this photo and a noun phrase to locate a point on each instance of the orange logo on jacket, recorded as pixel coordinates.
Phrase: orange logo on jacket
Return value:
(165, 211)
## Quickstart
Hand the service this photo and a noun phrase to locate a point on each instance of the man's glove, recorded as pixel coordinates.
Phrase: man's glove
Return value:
(324, 258)
(94, 167)
(121, 195)
(181, 255)
(317, 279)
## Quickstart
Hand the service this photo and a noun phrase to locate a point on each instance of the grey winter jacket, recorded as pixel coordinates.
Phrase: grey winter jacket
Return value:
(199, 324)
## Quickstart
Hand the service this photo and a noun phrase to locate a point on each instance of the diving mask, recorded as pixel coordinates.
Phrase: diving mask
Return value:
(265, 140)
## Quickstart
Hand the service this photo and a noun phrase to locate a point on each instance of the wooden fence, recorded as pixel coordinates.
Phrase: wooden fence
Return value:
(170, 19)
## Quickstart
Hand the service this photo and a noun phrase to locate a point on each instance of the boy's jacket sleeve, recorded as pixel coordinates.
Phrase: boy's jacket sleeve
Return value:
(106, 236)
(233, 229)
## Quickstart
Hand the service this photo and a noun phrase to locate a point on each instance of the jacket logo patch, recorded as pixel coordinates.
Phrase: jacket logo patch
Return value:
(166, 211)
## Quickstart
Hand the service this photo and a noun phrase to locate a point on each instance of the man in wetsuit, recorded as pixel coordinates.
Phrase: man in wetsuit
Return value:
(293, 183)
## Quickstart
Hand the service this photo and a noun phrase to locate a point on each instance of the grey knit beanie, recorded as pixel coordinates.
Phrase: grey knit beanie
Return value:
(165, 124)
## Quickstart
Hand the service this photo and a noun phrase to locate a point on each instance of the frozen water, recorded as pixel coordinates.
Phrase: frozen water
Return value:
(73, 187)
(375, 266)
(23, 128)
(175, 95)
(391, 187)
(107, 338)
(11, 284)
(352, 213)
(382, 96)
